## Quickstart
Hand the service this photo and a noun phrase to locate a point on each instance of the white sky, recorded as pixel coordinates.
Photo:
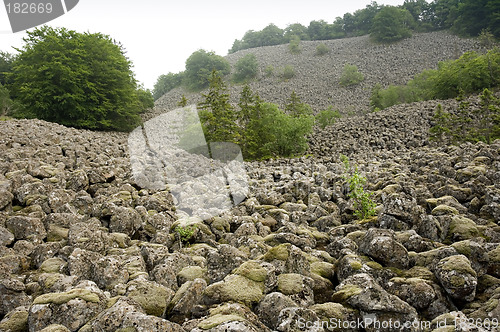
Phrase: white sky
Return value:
(159, 35)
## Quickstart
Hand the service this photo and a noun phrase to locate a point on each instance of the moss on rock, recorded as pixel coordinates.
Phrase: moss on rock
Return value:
(252, 270)
(290, 283)
(60, 298)
(218, 319)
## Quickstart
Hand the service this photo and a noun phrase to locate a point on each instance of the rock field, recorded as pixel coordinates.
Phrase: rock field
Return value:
(86, 246)
(317, 77)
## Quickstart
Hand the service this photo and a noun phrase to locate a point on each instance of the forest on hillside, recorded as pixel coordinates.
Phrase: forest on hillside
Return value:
(464, 17)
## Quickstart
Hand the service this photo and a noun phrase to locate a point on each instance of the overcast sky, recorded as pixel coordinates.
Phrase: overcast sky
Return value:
(159, 35)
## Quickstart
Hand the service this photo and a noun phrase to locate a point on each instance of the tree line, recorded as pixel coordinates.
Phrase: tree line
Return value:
(386, 23)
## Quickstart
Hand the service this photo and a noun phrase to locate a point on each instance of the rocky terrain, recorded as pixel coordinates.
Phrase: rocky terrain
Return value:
(86, 244)
(316, 79)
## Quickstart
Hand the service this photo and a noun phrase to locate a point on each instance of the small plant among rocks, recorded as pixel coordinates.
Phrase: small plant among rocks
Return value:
(364, 207)
(185, 233)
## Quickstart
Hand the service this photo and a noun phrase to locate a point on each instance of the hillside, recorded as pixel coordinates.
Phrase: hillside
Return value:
(317, 77)
(92, 236)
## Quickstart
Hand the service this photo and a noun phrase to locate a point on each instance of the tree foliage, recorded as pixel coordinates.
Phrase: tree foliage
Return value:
(6, 64)
(296, 108)
(469, 124)
(165, 83)
(261, 129)
(218, 117)
(327, 117)
(246, 68)
(391, 24)
(199, 67)
(5, 101)
(465, 17)
(76, 79)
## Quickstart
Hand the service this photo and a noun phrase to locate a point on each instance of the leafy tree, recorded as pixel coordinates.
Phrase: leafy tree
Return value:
(291, 134)
(391, 24)
(473, 16)
(76, 79)
(199, 67)
(351, 76)
(219, 118)
(5, 101)
(165, 83)
(421, 12)
(6, 64)
(272, 35)
(246, 68)
(318, 30)
(362, 19)
(327, 117)
(296, 108)
(145, 98)
(295, 29)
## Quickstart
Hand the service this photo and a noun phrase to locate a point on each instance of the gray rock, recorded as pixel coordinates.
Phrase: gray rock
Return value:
(382, 246)
(187, 297)
(72, 309)
(27, 228)
(457, 277)
(270, 307)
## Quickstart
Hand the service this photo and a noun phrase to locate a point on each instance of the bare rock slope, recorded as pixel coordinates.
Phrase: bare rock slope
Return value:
(316, 78)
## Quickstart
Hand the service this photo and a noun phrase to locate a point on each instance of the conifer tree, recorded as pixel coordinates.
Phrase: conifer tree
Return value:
(216, 113)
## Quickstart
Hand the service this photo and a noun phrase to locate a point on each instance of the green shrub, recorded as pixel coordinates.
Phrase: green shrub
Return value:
(146, 99)
(294, 45)
(322, 49)
(246, 68)
(261, 129)
(183, 102)
(351, 76)
(269, 71)
(288, 72)
(81, 80)
(364, 207)
(199, 67)
(327, 117)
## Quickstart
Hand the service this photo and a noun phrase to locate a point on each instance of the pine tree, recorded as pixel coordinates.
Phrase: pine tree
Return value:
(217, 115)
(296, 108)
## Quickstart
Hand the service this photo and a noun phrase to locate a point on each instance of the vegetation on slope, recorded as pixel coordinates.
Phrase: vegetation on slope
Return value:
(468, 74)
(261, 129)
